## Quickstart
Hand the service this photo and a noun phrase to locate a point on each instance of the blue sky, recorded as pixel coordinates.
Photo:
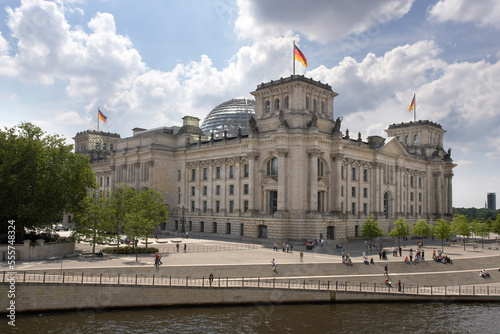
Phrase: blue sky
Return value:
(149, 63)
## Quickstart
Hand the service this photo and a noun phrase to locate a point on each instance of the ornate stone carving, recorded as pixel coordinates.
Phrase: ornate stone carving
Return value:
(253, 125)
(336, 128)
(281, 152)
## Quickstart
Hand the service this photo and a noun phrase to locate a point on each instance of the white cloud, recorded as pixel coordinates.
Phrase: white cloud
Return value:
(98, 64)
(318, 20)
(484, 13)
(462, 163)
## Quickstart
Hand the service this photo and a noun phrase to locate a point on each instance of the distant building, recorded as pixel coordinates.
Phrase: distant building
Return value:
(293, 175)
(491, 202)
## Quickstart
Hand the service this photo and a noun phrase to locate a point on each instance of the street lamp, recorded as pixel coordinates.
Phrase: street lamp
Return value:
(183, 221)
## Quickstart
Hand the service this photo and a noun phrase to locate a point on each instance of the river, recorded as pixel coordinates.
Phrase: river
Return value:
(317, 318)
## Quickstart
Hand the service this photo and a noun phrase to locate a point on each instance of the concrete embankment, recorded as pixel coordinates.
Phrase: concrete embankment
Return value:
(43, 297)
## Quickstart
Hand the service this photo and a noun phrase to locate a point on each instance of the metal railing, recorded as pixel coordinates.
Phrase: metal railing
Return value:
(249, 282)
(189, 249)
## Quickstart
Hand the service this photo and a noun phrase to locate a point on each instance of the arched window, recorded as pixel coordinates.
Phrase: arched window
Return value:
(321, 168)
(104, 146)
(307, 103)
(268, 106)
(287, 105)
(277, 104)
(407, 140)
(272, 167)
(415, 139)
(386, 205)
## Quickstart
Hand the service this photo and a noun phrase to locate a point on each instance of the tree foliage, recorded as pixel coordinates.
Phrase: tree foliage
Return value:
(401, 229)
(442, 230)
(461, 226)
(93, 221)
(473, 213)
(495, 226)
(40, 177)
(371, 230)
(422, 229)
(120, 204)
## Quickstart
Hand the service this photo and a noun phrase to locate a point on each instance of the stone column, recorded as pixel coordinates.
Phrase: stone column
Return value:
(282, 154)
(253, 187)
(313, 179)
(151, 173)
(439, 193)
(112, 177)
(337, 182)
(137, 175)
(237, 187)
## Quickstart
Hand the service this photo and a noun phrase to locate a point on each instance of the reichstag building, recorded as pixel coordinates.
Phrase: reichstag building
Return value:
(280, 167)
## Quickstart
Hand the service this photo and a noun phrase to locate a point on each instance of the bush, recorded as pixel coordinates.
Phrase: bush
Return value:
(129, 250)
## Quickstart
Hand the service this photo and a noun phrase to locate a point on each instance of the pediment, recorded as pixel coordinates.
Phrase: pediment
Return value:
(203, 164)
(356, 164)
(216, 163)
(367, 165)
(230, 162)
(394, 147)
(191, 165)
(269, 181)
(323, 183)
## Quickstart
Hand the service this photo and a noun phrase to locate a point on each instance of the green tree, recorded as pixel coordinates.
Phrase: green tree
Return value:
(371, 230)
(461, 226)
(120, 202)
(40, 178)
(442, 230)
(401, 229)
(482, 229)
(93, 221)
(422, 229)
(495, 225)
(148, 209)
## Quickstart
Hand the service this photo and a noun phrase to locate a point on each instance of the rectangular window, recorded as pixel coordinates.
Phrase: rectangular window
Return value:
(246, 170)
(202, 226)
(178, 175)
(205, 190)
(245, 206)
(231, 189)
(231, 172)
(342, 172)
(217, 190)
(354, 173)
(228, 228)
(365, 175)
(365, 192)
(214, 227)
(231, 206)
(193, 174)
(205, 173)
(353, 191)
(217, 206)
(411, 181)
(192, 206)
(411, 196)
(420, 182)
(420, 210)
(204, 206)
(420, 197)
(193, 191)
(190, 225)
(217, 172)
(365, 209)
(353, 208)
(342, 191)
(241, 229)
(178, 195)
(411, 210)
(245, 189)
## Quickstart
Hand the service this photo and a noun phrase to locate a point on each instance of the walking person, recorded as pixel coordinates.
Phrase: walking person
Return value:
(211, 279)
(399, 285)
(301, 257)
(423, 255)
(177, 247)
(386, 269)
(185, 248)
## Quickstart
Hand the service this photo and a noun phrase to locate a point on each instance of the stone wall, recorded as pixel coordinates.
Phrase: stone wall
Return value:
(40, 251)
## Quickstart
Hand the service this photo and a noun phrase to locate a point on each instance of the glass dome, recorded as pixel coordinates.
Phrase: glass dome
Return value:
(229, 116)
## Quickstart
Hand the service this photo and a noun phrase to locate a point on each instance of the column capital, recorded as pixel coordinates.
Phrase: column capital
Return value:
(252, 155)
(314, 153)
(281, 152)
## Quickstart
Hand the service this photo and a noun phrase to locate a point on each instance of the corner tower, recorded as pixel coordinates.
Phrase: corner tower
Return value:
(295, 102)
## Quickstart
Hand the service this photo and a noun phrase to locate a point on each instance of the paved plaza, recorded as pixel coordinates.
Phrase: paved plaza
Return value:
(226, 258)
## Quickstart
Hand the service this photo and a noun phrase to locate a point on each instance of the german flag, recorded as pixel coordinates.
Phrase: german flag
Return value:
(101, 116)
(412, 105)
(300, 56)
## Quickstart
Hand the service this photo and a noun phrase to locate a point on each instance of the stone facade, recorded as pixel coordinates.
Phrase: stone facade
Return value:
(295, 176)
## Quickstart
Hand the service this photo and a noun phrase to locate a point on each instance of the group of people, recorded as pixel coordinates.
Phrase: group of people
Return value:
(288, 248)
(440, 257)
(346, 259)
(158, 259)
(484, 273)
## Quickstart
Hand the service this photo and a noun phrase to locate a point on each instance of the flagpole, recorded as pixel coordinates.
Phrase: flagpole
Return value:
(415, 109)
(293, 58)
(97, 119)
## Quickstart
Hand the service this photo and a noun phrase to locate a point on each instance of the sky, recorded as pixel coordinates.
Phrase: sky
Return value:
(149, 63)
